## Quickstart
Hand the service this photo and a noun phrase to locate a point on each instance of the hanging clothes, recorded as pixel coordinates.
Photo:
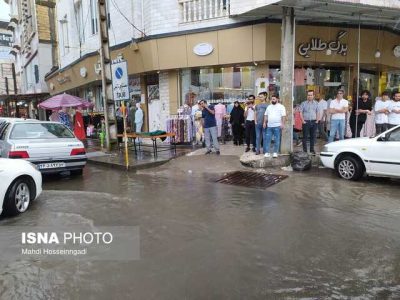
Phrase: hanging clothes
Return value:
(299, 77)
(132, 112)
(64, 119)
(79, 127)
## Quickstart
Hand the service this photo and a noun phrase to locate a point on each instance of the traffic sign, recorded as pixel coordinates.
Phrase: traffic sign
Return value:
(120, 80)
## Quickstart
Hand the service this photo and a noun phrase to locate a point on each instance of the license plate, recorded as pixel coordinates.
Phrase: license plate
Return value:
(51, 165)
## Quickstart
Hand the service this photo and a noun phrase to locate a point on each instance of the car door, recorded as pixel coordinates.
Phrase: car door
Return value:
(384, 154)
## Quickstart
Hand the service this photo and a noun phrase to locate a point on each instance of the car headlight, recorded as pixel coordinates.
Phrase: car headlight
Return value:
(325, 149)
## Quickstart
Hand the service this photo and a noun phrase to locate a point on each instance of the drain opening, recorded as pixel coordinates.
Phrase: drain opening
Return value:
(251, 179)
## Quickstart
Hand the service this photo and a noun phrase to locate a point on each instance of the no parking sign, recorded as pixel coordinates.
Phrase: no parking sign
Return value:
(120, 81)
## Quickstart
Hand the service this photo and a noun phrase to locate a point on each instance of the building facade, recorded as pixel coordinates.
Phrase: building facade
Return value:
(7, 84)
(182, 51)
(34, 47)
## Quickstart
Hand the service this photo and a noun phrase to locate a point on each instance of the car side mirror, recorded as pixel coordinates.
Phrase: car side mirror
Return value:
(382, 138)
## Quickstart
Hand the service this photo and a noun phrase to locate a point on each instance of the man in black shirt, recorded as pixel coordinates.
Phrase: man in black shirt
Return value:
(359, 113)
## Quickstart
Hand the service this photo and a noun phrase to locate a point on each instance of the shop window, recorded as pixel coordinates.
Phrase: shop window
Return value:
(36, 68)
(80, 24)
(323, 81)
(64, 35)
(218, 84)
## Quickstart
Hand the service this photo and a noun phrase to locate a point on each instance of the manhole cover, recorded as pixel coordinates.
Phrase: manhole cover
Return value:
(251, 179)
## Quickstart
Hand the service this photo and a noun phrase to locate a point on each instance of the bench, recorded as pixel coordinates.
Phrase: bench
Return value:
(153, 138)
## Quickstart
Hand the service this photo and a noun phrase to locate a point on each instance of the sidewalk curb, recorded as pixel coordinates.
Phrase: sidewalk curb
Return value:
(132, 168)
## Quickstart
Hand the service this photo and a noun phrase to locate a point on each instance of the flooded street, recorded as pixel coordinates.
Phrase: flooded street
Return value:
(311, 236)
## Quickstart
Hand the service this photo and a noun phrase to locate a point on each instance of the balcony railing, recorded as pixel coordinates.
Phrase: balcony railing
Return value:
(199, 10)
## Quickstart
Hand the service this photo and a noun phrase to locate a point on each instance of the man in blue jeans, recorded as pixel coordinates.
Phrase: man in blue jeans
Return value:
(259, 121)
(338, 109)
(274, 122)
(210, 127)
(310, 117)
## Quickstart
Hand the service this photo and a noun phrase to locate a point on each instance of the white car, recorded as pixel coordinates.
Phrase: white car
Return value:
(377, 156)
(20, 184)
(50, 145)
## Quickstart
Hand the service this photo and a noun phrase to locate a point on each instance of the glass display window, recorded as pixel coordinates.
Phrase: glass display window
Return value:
(217, 84)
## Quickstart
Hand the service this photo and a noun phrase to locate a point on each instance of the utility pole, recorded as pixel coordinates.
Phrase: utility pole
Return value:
(105, 61)
(14, 78)
(7, 90)
(287, 71)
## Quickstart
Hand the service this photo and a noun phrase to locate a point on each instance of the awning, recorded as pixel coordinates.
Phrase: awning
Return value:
(336, 11)
(24, 97)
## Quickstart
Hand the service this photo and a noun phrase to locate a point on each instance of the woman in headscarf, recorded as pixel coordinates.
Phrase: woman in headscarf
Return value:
(237, 121)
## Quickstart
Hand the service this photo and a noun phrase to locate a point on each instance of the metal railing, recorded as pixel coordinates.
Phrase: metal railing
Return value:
(199, 10)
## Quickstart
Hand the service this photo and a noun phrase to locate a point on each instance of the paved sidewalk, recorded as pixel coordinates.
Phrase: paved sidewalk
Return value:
(141, 160)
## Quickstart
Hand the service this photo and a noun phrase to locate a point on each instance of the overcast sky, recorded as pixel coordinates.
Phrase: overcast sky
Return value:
(4, 11)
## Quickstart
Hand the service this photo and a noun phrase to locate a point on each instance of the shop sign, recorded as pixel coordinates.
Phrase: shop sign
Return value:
(120, 80)
(6, 40)
(317, 44)
(203, 49)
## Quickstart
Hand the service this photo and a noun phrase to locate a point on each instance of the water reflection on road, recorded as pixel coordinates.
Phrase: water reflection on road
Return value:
(312, 235)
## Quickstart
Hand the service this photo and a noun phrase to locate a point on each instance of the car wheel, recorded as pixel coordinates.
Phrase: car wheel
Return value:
(18, 197)
(350, 168)
(77, 172)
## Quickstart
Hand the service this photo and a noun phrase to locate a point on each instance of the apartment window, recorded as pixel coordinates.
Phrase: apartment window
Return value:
(93, 16)
(64, 35)
(108, 14)
(80, 24)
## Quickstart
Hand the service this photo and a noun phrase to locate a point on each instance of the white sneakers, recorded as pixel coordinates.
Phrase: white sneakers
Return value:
(275, 155)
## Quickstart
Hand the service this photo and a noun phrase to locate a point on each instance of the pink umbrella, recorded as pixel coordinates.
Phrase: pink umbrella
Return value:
(63, 100)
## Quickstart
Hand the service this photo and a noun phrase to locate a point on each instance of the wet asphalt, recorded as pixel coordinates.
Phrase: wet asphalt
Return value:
(311, 236)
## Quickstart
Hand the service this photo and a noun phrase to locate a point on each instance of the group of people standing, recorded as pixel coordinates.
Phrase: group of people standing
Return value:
(259, 123)
(314, 115)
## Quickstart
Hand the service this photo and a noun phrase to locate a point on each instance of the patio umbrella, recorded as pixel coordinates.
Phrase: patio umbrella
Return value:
(63, 100)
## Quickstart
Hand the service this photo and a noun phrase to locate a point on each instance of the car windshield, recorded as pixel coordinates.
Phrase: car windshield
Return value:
(40, 131)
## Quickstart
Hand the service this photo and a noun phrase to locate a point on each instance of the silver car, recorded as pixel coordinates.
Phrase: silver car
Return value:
(51, 146)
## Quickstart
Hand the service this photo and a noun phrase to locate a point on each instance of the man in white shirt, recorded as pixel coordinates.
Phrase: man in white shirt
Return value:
(323, 107)
(394, 108)
(338, 109)
(381, 113)
(274, 120)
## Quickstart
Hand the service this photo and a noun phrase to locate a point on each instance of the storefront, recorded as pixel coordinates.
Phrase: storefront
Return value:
(225, 65)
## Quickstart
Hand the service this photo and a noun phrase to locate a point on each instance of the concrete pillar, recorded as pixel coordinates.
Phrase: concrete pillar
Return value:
(287, 74)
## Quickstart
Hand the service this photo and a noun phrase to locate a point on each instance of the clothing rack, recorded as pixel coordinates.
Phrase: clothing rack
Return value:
(182, 126)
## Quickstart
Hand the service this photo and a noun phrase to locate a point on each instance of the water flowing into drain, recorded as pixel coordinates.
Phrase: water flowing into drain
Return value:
(251, 179)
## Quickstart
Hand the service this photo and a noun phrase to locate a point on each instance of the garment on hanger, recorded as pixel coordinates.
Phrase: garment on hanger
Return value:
(299, 77)
(310, 76)
(79, 128)
(262, 84)
(319, 76)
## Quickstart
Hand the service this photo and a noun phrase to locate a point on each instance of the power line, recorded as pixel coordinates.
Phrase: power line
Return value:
(122, 14)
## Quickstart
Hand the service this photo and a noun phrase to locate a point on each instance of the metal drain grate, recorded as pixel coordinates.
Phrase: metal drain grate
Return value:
(251, 179)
